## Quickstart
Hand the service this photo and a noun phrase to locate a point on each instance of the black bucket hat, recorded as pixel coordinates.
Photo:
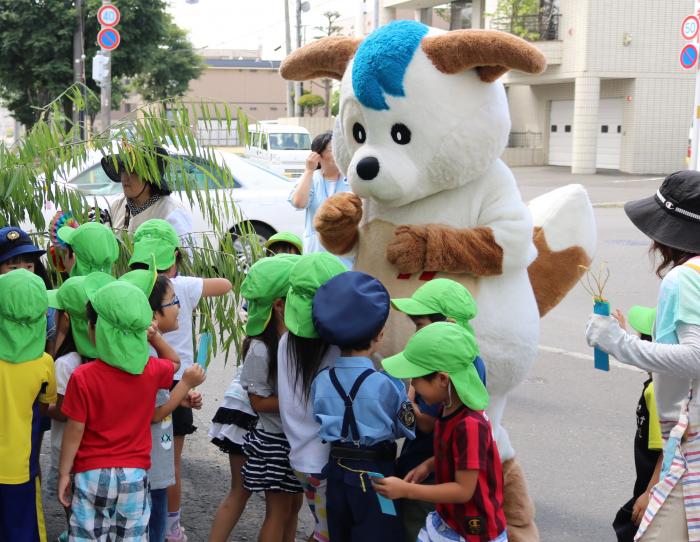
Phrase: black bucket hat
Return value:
(672, 215)
(113, 173)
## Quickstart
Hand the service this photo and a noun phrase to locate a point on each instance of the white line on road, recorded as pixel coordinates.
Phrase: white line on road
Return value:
(637, 180)
(587, 357)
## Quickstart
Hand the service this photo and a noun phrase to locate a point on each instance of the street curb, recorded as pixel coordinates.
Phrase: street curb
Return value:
(609, 205)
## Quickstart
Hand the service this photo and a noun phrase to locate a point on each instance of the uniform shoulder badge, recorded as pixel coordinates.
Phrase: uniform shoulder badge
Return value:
(406, 415)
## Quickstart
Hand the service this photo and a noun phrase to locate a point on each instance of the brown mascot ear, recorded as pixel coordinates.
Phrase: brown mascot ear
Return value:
(490, 52)
(327, 57)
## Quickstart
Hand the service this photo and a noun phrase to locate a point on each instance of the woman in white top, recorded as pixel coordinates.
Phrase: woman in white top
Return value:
(671, 218)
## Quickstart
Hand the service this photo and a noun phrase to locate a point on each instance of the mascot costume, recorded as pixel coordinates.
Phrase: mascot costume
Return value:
(421, 126)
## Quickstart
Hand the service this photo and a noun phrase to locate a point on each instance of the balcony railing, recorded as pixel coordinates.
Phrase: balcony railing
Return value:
(543, 26)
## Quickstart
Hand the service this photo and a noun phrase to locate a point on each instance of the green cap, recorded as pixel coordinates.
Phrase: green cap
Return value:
(642, 319)
(124, 315)
(267, 281)
(94, 245)
(143, 279)
(444, 347)
(286, 237)
(23, 306)
(157, 238)
(72, 297)
(310, 272)
(440, 296)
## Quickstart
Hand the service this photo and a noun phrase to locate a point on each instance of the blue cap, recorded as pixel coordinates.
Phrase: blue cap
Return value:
(350, 309)
(14, 242)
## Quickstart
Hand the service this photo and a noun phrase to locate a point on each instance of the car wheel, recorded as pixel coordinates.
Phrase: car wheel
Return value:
(243, 236)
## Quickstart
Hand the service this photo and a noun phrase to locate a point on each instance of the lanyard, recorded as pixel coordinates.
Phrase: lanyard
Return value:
(325, 186)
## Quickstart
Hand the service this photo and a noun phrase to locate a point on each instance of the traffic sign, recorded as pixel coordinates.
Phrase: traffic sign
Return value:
(689, 56)
(689, 27)
(108, 39)
(108, 15)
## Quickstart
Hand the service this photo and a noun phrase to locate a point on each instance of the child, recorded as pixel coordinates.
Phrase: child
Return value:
(647, 440)
(157, 238)
(438, 300)
(27, 387)
(94, 246)
(468, 488)
(361, 411)
(266, 448)
(284, 242)
(109, 405)
(300, 357)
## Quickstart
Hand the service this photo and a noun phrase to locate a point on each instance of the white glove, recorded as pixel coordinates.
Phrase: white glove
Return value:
(603, 332)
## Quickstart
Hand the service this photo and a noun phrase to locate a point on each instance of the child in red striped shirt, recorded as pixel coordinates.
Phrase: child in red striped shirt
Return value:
(468, 489)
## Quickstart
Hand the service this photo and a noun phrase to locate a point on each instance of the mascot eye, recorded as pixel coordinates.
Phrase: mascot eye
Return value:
(358, 132)
(401, 134)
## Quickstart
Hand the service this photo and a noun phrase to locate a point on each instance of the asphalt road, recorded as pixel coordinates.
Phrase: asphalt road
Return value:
(572, 426)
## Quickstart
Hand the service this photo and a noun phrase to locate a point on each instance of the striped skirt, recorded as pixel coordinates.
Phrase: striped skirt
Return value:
(267, 465)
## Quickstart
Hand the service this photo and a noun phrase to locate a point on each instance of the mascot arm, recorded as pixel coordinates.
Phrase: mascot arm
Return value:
(336, 222)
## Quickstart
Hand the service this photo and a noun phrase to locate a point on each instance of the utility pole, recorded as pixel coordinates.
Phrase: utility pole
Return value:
(360, 19)
(375, 15)
(297, 84)
(288, 49)
(78, 117)
(106, 90)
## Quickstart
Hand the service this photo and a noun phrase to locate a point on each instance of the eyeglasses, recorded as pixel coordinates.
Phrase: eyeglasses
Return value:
(175, 301)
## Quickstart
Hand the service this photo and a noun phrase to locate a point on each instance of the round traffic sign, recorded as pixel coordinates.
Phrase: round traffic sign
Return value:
(689, 56)
(689, 27)
(108, 15)
(108, 39)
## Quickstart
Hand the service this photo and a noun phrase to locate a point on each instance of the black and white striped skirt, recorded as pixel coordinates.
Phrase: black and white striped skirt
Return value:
(267, 465)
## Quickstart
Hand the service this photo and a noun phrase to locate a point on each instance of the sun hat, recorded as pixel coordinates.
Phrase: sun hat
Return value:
(267, 281)
(15, 242)
(113, 165)
(285, 237)
(672, 215)
(444, 347)
(124, 315)
(642, 319)
(309, 273)
(94, 245)
(155, 237)
(440, 296)
(350, 309)
(23, 306)
(143, 279)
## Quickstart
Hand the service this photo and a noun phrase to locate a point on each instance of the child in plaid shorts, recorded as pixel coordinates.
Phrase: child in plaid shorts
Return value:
(109, 405)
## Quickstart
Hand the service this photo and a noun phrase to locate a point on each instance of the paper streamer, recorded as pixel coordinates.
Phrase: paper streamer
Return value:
(203, 350)
(386, 505)
(601, 360)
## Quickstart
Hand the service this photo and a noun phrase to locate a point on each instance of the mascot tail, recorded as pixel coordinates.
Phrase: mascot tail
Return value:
(565, 237)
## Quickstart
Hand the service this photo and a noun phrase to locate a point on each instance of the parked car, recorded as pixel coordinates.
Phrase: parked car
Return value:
(260, 195)
(279, 147)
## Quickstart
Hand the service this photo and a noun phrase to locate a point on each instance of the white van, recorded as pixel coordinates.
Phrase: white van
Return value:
(280, 147)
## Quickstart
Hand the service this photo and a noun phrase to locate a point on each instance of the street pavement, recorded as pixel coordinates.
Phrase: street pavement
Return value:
(572, 426)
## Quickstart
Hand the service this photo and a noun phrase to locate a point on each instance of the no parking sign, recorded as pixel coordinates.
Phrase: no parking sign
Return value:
(689, 56)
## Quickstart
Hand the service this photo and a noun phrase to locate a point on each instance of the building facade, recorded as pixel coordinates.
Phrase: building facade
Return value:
(613, 95)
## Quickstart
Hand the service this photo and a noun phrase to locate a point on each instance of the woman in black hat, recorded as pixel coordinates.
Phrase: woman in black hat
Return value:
(671, 219)
(145, 198)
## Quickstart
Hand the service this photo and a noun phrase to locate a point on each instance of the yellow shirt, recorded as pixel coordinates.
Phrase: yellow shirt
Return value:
(22, 387)
(655, 441)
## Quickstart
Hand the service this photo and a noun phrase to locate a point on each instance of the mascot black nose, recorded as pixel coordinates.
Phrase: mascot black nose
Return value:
(367, 168)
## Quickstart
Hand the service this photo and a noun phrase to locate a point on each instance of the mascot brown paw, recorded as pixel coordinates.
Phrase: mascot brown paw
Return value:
(408, 249)
(336, 222)
(517, 504)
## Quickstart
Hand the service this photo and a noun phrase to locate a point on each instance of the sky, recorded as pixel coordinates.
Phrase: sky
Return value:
(245, 24)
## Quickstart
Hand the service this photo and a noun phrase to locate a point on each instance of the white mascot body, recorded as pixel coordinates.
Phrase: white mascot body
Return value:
(421, 126)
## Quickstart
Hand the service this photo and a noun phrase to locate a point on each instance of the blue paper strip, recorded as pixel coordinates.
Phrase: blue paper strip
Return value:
(203, 349)
(386, 505)
(601, 360)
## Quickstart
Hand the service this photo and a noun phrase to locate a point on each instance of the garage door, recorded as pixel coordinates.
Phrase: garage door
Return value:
(609, 141)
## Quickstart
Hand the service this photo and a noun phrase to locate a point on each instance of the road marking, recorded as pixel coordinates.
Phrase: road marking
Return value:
(586, 357)
(609, 204)
(638, 180)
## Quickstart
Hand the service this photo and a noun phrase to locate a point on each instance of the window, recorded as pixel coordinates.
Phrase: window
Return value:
(94, 181)
(263, 142)
(198, 173)
(273, 108)
(553, 129)
(604, 129)
(619, 129)
(567, 128)
(290, 142)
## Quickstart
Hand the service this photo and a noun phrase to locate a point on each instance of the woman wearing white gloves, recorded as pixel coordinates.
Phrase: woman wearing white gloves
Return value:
(671, 218)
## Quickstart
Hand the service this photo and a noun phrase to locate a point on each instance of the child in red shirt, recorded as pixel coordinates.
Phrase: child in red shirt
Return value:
(468, 489)
(109, 404)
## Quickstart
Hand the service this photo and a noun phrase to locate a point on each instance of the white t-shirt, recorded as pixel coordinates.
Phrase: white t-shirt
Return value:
(307, 453)
(64, 366)
(189, 291)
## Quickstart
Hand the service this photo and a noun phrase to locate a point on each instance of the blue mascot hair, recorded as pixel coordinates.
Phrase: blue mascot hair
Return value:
(381, 62)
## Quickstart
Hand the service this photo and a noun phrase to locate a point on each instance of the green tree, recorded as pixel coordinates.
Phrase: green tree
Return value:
(329, 28)
(512, 15)
(335, 103)
(311, 102)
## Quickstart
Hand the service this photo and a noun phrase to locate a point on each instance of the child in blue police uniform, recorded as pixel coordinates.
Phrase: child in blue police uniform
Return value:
(361, 411)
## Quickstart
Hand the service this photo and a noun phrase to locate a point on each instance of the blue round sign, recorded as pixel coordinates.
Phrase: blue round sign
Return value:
(108, 39)
(689, 56)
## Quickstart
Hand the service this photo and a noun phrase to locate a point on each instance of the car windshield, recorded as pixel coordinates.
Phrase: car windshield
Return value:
(94, 182)
(290, 142)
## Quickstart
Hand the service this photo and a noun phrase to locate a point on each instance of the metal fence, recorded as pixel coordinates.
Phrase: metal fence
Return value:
(528, 140)
(542, 26)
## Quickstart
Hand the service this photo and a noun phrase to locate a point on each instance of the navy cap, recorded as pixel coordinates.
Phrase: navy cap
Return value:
(14, 242)
(350, 309)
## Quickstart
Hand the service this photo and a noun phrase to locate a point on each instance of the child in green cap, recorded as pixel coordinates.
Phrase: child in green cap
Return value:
(468, 489)
(27, 387)
(109, 406)
(158, 238)
(94, 246)
(284, 242)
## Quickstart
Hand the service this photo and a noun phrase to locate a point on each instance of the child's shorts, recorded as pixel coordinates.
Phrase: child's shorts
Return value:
(314, 486)
(267, 465)
(110, 504)
(21, 514)
(436, 530)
